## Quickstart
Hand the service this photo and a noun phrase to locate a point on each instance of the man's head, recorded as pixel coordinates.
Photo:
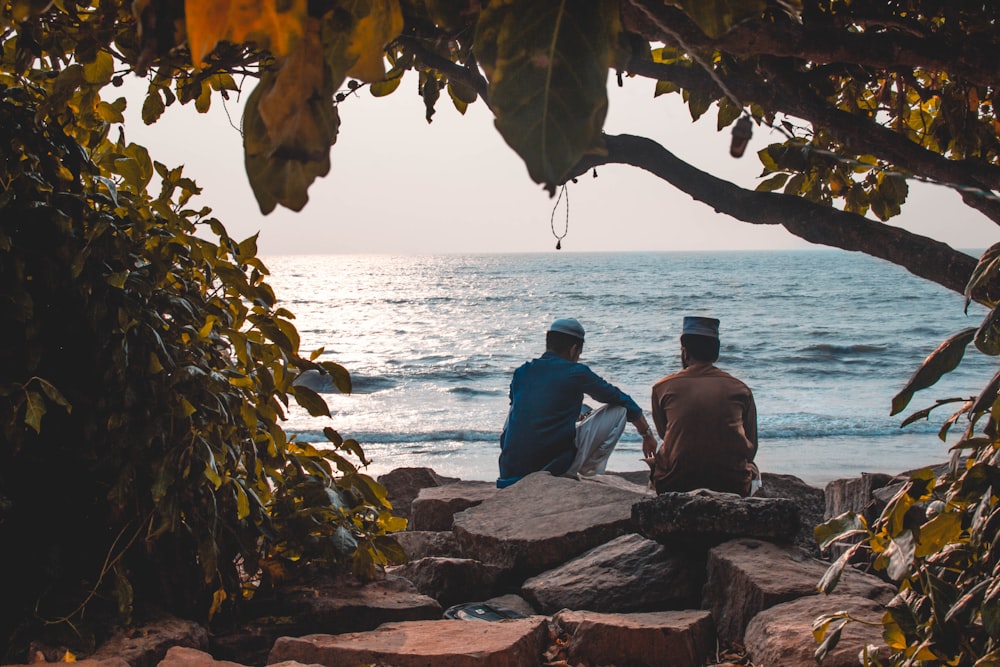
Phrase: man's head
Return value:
(699, 340)
(565, 338)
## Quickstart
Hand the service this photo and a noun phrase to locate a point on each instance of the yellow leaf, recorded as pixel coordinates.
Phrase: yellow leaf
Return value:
(206, 328)
(186, 408)
(109, 113)
(101, 70)
(212, 476)
(207, 22)
(217, 599)
(285, 108)
(242, 502)
(67, 657)
(383, 24)
(154, 366)
(260, 21)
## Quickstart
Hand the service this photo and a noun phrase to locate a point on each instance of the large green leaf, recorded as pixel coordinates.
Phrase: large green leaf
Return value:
(281, 173)
(941, 361)
(547, 62)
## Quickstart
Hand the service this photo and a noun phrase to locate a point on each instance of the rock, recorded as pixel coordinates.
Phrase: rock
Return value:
(423, 543)
(640, 477)
(675, 638)
(446, 643)
(337, 605)
(782, 635)
(810, 501)
(147, 645)
(451, 580)
(435, 506)
(179, 656)
(514, 603)
(628, 574)
(853, 494)
(707, 518)
(87, 662)
(403, 484)
(747, 576)
(543, 521)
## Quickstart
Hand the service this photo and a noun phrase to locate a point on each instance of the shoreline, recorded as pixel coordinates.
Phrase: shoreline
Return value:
(815, 461)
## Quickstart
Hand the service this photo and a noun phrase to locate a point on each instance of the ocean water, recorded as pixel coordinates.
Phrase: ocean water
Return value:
(824, 338)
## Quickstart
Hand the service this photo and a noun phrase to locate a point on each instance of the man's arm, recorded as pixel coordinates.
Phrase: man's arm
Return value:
(750, 423)
(599, 389)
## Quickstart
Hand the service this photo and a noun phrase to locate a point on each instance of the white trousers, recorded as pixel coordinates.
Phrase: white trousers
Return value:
(596, 437)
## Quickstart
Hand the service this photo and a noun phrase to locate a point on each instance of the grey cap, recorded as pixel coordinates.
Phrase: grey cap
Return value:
(568, 326)
(701, 326)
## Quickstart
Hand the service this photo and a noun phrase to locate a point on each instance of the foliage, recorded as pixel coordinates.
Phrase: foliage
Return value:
(145, 369)
(938, 536)
(869, 96)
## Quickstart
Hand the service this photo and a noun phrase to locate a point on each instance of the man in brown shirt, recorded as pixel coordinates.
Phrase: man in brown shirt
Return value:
(706, 417)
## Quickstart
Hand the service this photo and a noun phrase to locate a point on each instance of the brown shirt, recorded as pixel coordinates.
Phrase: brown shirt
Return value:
(708, 422)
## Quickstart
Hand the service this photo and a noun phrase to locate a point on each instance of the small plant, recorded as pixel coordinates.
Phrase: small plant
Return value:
(938, 536)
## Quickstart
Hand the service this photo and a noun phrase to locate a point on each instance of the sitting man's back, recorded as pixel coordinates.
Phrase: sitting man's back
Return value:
(544, 428)
(706, 417)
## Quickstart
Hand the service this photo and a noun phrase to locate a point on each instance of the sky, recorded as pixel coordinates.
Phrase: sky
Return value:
(398, 185)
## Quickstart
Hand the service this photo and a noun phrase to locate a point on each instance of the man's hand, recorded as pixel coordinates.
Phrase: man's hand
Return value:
(648, 445)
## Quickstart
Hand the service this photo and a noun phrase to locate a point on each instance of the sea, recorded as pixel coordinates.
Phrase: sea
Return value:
(824, 338)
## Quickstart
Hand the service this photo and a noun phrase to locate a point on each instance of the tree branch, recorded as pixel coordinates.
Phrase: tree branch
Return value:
(971, 57)
(454, 71)
(782, 91)
(920, 255)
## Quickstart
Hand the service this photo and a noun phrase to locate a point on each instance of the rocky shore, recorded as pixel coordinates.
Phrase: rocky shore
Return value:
(591, 572)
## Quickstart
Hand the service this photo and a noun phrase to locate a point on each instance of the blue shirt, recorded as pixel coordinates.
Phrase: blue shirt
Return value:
(546, 395)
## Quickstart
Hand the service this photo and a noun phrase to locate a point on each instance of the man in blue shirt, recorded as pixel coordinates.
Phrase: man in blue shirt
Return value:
(545, 428)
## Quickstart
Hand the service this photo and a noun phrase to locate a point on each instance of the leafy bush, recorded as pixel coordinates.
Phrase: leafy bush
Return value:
(144, 374)
(938, 536)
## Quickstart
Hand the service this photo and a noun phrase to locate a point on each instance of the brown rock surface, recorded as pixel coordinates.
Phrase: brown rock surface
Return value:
(511, 643)
(747, 576)
(708, 518)
(451, 580)
(180, 656)
(423, 543)
(853, 494)
(674, 638)
(147, 645)
(337, 605)
(403, 484)
(628, 574)
(811, 503)
(782, 635)
(543, 521)
(435, 506)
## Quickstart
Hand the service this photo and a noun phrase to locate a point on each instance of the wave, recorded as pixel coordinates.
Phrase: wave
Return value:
(469, 391)
(322, 383)
(815, 431)
(405, 438)
(810, 425)
(833, 350)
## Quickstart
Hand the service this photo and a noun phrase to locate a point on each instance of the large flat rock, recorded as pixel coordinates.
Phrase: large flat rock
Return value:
(180, 656)
(747, 576)
(434, 506)
(402, 485)
(327, 606)
(674, 638)
(709, 517)
(446, 643)
(147, 645)
(628, 574)
(782, 635)
(451, 580)
(543, 521)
